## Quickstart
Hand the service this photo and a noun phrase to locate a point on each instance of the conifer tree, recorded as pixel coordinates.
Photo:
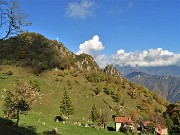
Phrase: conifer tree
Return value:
(169, 122)
(66, 107)
(94, 116)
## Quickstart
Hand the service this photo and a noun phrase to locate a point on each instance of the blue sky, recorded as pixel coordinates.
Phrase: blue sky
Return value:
(127, 26)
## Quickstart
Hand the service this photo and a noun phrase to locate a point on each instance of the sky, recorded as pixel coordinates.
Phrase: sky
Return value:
(125, 32)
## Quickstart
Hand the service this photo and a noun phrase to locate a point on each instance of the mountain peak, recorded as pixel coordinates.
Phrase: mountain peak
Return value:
(111, 70)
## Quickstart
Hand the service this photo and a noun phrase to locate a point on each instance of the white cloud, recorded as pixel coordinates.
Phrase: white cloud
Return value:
(91, 46)
(151, 57)
(82, 9)
(102, 60)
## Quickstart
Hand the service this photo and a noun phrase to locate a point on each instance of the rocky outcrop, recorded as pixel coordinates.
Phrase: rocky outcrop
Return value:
(111, 70)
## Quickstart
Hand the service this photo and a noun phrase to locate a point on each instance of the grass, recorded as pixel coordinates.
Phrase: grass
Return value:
(31, 124)
(47, 106)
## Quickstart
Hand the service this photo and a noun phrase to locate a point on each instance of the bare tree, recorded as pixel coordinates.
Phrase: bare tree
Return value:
(12, 19)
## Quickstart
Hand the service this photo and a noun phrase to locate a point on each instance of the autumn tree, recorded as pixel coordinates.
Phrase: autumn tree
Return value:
(157, 118)
(8, 106)
(66, 107)
(19, 102)
(67, 66)
(12, 19)
(135, 116)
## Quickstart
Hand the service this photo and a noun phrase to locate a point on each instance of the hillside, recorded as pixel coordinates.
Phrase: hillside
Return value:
(32, 57)
(161, 71)
(39, 53)
(166, 86)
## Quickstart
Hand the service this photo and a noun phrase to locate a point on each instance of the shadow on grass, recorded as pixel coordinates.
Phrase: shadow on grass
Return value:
(110, 128)
(7, 127)
(49, 133)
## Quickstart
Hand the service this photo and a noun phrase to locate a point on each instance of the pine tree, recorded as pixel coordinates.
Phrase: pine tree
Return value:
(94, 116)
(66, 107)
(169, 122)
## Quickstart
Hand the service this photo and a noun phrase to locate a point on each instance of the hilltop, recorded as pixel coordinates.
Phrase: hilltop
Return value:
(39, 53)
(32, 57)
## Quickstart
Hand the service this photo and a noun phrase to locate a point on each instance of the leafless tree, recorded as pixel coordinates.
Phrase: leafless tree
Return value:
(12, 19)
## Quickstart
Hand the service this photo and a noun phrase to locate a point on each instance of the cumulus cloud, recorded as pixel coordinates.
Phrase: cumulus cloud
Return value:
(102, 60)
(151, 57)
(91, 46)
(82, 9)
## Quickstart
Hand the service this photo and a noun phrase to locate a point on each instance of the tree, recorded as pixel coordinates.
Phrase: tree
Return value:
(169, 122)
(103, 118)
(66, 107)
(9, 107)
(151, 127)
(157, 118)
(135, 116)
(94, 115)
(12, 19)
(172, 117)
(20, 101)
(67, 66)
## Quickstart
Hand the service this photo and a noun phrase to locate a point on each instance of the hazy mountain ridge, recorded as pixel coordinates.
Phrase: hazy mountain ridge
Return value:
(161, 71)
(167, 86)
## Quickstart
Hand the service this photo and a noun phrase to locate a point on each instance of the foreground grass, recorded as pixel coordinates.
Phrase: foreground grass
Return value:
(8, 128)
(45, 124)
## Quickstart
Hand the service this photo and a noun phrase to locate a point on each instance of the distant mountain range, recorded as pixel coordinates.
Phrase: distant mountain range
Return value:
(166, 86)
(161, 71)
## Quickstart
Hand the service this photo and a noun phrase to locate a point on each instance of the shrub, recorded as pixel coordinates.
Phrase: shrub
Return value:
(37, 69)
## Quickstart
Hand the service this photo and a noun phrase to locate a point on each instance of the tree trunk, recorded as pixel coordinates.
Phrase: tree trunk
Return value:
(17, 122)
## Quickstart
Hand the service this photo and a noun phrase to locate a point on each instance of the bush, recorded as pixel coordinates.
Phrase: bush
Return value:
(107, 91)
(37, 69)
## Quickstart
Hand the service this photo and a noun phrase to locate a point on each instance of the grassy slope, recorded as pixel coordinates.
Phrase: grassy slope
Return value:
(47, 105)
(52, 84)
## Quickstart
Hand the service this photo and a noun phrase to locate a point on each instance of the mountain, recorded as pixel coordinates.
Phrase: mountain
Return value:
(161, 71)
(39, 53)
(32, 57)
(166, 86)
